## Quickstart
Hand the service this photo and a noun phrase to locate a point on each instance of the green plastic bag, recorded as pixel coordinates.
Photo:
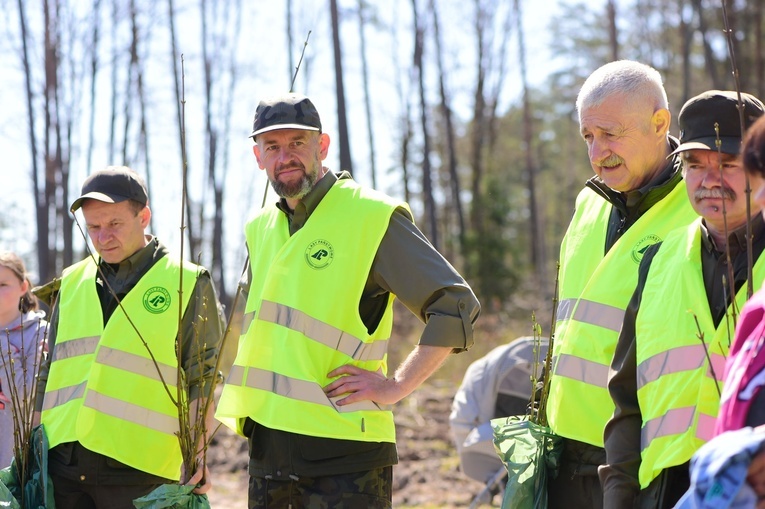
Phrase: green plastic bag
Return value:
(38, 489)
(172, 496)
(531, 453)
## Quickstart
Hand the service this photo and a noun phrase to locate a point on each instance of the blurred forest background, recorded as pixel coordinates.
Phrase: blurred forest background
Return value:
(450, 105)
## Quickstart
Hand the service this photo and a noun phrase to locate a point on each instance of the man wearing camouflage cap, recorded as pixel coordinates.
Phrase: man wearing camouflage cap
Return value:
(668, 364)
(309, 387)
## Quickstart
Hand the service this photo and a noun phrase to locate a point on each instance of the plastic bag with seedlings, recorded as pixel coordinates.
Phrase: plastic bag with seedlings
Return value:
(530, 452)
(37, 491)
(172, 496)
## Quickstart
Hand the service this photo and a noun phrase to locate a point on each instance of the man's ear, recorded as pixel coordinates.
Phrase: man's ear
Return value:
(323, 145)
(660, 122)
(145, 214)
(256, 151)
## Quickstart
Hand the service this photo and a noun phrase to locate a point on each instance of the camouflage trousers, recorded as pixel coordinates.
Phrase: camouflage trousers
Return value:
(372, 489)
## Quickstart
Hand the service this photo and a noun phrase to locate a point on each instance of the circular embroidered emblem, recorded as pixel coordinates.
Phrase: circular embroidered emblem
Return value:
(156, 300)
(639, 249)
(319, 254)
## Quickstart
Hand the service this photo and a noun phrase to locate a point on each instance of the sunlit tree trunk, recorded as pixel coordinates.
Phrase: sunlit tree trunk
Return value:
(612, 30)
(367, 103)
(446, 112)
(41, 211)
(709, 58)
(191, 227)
(346, 162)
(431, 226)
(94, 42)
(537, 251)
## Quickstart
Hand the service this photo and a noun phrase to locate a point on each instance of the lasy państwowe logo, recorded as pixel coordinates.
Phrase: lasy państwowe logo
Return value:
(319, 254)
(156, 300)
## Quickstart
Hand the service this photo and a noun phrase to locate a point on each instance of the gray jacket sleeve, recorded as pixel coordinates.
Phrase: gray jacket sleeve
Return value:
(408, 266)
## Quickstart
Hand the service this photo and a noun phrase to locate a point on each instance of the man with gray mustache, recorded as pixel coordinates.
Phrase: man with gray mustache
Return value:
(668, 364)
(635, 199)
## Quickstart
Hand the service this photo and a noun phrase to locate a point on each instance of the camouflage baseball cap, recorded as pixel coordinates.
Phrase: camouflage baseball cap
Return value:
(290, 111)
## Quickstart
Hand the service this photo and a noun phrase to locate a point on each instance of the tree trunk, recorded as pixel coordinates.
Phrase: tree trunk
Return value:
(115, 59)
(612, 30)
(346, 162)
(41, 212)
(367, 103)
(194, 242)
(478, 127)
(290, 44)
(709, 58)
(51, 170)
(686, 40)
(759, 58)
(537, 253)
(427, 183)
(446, 112)
(94, 42)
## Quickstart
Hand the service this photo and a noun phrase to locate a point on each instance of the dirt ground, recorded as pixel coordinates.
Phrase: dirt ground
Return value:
(427, 476)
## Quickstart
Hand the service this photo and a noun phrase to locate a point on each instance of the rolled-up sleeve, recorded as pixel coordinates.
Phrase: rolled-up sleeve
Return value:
(408, 266)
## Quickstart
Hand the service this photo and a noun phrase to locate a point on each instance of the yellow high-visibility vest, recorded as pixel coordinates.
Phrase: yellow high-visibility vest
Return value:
(304, 303)
(103, 388)
(678, 376)
(594, 293)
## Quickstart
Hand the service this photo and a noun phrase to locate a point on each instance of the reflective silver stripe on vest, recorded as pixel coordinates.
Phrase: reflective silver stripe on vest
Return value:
(718, 363)
(75, 347)
(705, 429)
(131, 412)
(565, 308)
(137, 364)
(322, 332)
(301, 390)
(246, 321)
(235, 375)
(674, 422)
(591, 312)
(583, 370)
(676, 360)
(63, 395)
(678, 421)
(602, 315)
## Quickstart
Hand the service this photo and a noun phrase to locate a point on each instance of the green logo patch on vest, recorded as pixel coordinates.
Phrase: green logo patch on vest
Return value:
(156, 300)
(319, 254)
(639, 249)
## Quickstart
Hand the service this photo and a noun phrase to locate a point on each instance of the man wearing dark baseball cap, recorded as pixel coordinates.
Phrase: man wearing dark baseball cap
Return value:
(113, 184)
(309, 387)
(668, 364)
(110, 423)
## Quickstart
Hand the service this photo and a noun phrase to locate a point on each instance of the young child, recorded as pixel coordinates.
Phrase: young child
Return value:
(23, 333)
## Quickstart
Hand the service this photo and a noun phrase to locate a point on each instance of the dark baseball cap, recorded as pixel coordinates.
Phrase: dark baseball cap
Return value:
(289, 111)
(699, 115)
(113, 184)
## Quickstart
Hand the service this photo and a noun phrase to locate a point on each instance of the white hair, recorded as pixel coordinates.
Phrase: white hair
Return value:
(635, 80)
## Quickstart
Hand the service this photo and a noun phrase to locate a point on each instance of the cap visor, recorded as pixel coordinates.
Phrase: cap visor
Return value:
(728, 145)
(283, 126)
(107, 198)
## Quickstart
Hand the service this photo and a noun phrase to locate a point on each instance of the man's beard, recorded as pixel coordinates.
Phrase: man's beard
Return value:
(297, 189)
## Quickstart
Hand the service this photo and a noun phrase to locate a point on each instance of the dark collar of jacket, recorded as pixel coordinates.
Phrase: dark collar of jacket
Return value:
(737, 237)
(305, 207)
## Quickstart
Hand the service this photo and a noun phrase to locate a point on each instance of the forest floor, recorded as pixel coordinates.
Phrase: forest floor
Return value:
(428, 473)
